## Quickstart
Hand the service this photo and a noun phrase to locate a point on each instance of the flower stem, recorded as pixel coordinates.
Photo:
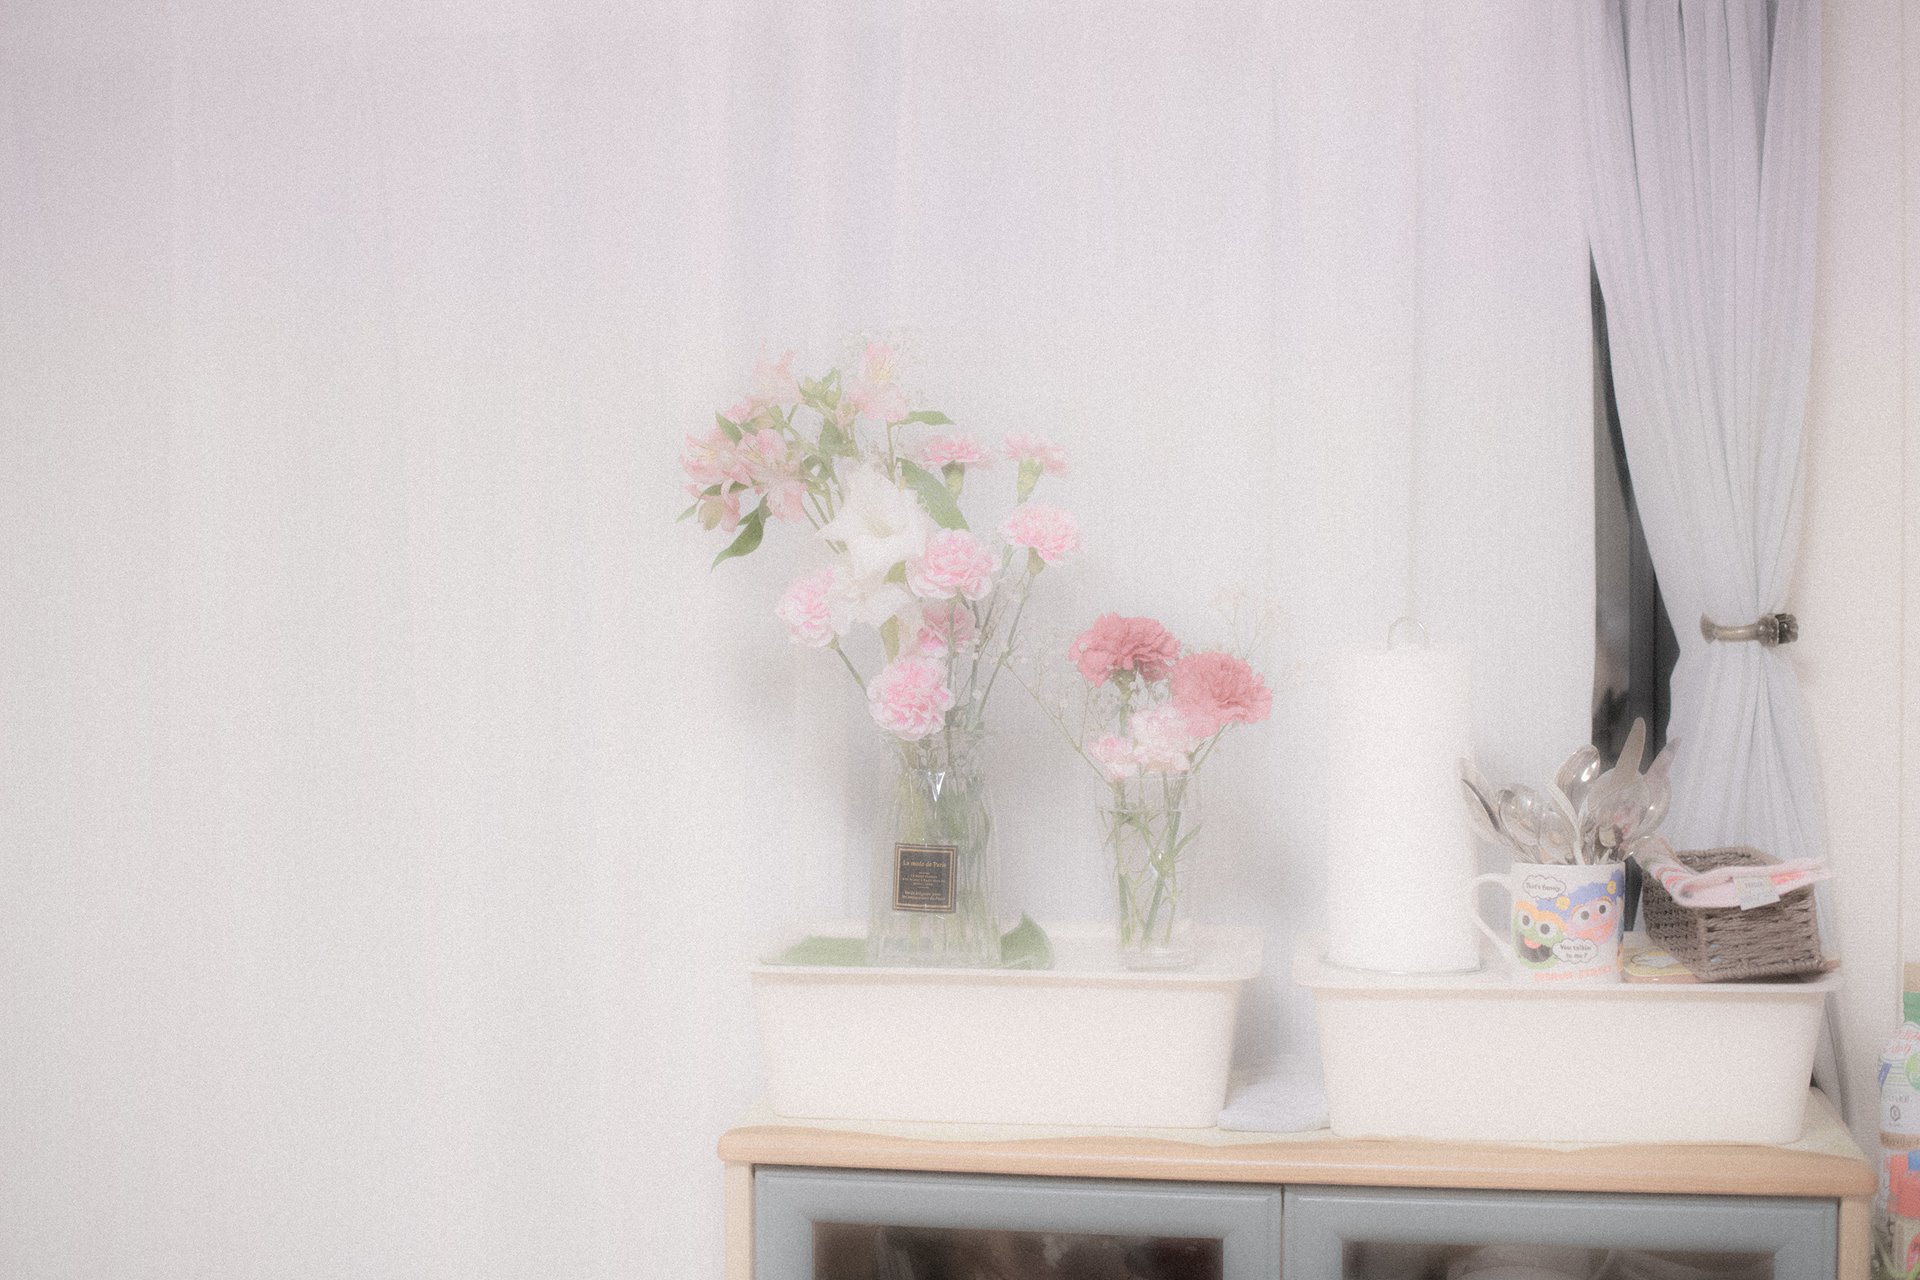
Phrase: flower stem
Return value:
(1013, 629)
(848, 662)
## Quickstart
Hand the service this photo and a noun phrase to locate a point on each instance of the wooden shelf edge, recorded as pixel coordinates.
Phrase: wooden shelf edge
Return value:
(1697, 1170)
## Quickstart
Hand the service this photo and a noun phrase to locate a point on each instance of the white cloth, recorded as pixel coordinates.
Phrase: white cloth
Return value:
(1285, 1096)
(1702, 123)
(1703, 132)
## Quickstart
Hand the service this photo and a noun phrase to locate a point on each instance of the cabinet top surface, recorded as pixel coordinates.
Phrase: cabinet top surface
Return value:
(1823, 1163)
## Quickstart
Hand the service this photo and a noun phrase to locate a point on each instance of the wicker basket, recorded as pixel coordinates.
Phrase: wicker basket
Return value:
(1719, 944)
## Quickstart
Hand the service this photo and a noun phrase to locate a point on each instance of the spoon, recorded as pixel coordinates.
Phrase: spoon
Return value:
(1577, 775)
(1535, 825)
(1619, 817)
(1481, 814)
(1629, 761)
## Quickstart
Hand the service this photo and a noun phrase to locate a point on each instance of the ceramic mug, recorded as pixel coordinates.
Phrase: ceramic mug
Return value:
(1564, 925)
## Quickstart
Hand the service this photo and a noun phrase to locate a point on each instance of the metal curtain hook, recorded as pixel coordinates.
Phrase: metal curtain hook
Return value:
(1772, 629)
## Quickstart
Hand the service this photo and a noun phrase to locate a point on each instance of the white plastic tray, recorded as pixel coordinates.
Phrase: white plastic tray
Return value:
(1491, 1057)
(1083, 1043)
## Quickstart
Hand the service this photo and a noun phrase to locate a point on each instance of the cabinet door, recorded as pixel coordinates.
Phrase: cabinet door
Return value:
(826, 1224)
(1364, 1234)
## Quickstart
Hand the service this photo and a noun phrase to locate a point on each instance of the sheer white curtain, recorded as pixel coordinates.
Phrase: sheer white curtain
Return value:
(393, 801)
(1703, 126)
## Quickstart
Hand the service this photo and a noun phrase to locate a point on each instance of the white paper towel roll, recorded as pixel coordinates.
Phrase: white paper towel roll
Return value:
(1400, 857)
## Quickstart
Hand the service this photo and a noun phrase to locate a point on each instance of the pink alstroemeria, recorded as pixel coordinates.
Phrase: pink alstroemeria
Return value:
(873, 392)
(714, 459)
(774, 383)
(716, 510)
(775, 471)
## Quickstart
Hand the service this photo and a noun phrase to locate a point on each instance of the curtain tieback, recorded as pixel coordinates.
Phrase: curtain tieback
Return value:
(1772, 629)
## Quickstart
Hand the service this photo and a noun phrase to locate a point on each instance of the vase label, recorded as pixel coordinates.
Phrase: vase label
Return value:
(923, 877)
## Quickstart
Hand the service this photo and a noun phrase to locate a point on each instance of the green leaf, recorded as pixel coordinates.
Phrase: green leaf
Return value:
(835, 441)
(727, 425)
(956, 477)
(684, 514)
(1026, 946)
(838, 953)
(934, 496)
(747, 539)
(890, 637)
(1029, 477)
(932, 417)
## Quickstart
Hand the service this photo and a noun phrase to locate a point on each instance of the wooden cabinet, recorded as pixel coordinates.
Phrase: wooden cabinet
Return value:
(810, 1202)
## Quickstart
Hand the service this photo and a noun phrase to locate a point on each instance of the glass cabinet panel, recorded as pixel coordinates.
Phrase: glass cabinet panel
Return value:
(1369, 1234)
(865, 1251)
(828, 1224)
(1375, 1260)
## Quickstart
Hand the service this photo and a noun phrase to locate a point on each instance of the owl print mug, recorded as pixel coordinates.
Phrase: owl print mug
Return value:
(1564, 922)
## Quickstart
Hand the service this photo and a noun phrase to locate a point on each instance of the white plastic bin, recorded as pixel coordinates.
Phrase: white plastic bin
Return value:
(1492, 1057)
(1083, 1043)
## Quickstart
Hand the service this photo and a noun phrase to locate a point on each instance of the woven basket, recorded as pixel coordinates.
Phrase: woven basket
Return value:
(1719, 944)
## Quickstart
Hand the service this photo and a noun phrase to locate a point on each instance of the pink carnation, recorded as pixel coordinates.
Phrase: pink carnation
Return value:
(1214, 690)
(806, 611)
(1050, 532)
(944, 627)
(1115, 756)
(940, 451)
(1051, 457)
(955, 563)
(909, 698)
(1162, 740)
(1114, 644)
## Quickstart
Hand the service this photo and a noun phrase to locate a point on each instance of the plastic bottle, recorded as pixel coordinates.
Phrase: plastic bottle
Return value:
(1901, 1173)
(1897, 1202)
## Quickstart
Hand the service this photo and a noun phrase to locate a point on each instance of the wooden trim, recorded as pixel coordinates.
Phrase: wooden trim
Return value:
(1698, 1170)
(1855, 1238)
(739, 1217)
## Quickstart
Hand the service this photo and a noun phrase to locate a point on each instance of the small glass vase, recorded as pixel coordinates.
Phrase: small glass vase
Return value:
(1152, 823)
(934, 881)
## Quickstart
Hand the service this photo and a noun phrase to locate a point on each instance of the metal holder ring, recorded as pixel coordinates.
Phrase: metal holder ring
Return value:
(1772, 629)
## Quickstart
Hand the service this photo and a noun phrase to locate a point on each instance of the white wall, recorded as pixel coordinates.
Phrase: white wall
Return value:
(1858, 571)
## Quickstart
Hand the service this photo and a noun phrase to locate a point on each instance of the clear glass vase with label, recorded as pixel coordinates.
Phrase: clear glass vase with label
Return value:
(935, 874)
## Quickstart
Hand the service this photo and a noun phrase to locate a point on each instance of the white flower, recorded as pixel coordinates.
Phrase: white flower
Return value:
(869, 601)
(878, 524)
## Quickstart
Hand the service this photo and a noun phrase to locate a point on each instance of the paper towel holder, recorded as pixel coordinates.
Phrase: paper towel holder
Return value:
(1396, 639)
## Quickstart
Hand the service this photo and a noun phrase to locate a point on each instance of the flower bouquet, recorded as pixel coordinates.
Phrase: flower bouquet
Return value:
(1152, 714)
(881, 483)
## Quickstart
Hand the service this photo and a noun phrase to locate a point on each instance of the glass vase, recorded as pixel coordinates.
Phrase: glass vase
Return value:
(1151, 825)
(934, 881)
